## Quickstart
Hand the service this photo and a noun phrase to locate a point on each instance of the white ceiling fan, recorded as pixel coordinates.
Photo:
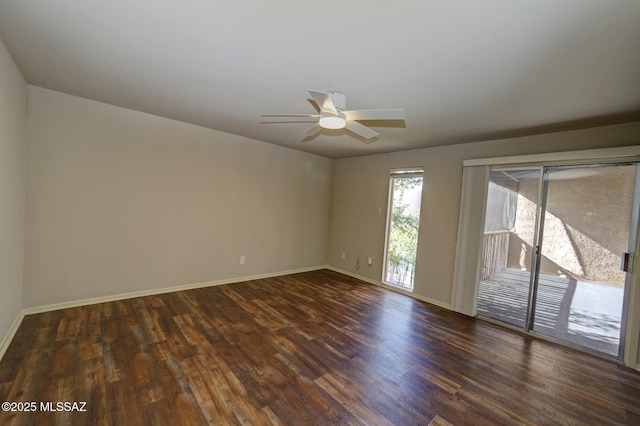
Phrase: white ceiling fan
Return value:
(333, 114)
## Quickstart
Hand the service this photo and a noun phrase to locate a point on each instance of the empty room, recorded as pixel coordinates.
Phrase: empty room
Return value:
(409, 213)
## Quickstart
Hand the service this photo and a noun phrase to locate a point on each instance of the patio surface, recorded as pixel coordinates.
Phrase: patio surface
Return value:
(583, 313)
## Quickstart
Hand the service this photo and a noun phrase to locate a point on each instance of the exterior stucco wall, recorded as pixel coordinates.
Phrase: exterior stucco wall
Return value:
(586, 224)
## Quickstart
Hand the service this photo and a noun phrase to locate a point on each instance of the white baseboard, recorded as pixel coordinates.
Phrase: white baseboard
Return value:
(392, 288)
(152, 292)
(12, 332)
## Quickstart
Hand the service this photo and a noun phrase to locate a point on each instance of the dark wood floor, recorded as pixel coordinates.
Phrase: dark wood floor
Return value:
(311, 348)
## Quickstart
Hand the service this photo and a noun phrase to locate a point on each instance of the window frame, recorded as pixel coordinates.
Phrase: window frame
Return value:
(407, 172)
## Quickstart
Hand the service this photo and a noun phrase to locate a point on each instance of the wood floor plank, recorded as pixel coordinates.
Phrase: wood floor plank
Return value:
(311, 348)
(439, 421)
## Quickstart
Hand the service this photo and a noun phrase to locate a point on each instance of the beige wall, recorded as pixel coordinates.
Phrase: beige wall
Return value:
(360, 188)
(120, 201)
(13, 138)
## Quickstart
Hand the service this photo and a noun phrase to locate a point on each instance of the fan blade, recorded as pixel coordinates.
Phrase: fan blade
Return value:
(314, 130)
(361, 130)
(292, 118)
(324, 101)
(375, 114)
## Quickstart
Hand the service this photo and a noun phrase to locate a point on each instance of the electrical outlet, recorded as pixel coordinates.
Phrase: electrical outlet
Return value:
(242, 259)
(344, 256)
(369, 261)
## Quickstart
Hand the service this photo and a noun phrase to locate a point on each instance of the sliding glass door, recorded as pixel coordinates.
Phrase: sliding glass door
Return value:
(509, 237)
(555, 238)
(587, 218)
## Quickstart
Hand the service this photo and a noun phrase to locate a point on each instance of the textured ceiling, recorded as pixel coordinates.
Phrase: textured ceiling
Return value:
(463, 70)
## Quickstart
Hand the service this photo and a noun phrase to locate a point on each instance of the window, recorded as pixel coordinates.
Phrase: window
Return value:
(403, 221)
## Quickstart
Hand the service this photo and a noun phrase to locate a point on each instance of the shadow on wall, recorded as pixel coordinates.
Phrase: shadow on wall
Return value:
(580, 238)
(520, 255)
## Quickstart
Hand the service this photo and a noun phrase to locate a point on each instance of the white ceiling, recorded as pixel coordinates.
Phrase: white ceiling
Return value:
(464, 70)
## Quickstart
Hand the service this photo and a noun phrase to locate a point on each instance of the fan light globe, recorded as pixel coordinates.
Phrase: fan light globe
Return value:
(332, 122)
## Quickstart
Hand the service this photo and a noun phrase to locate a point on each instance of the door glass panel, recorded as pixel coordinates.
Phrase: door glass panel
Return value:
(510, 230)
(580, 287)
(405, 197)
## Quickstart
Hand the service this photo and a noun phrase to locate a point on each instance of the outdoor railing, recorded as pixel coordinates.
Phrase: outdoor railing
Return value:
(496, 251)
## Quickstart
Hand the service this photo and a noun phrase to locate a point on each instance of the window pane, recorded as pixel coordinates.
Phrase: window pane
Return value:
(510, 227)
(402, 232)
